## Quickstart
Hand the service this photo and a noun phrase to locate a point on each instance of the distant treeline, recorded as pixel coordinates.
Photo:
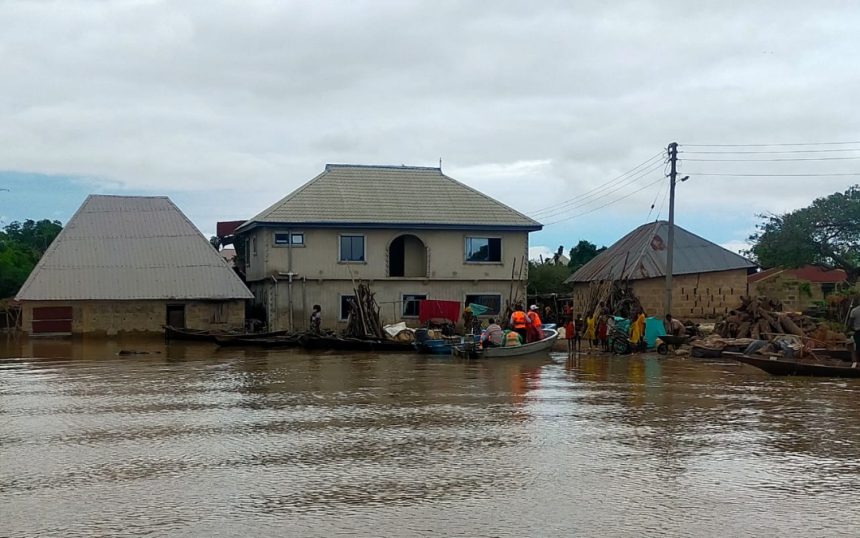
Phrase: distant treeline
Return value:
(21, 246)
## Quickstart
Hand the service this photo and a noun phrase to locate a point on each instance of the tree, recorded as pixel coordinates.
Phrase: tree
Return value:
(21, 246)
(547, 277)
(582, 253)
(826, 234)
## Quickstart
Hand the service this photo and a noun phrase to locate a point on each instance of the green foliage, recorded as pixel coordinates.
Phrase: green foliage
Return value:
(582, 253)
(826, 233)
(547, 278)
(21, 246)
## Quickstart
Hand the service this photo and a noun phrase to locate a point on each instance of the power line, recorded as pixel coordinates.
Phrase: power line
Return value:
(774, 175)
(627, 183)
(605, 205)
(774, 151)
(775, 160)
(772, 145)
(589, 193)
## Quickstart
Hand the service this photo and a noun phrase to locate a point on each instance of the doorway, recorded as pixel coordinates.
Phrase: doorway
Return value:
(176, 315)
(407, 257)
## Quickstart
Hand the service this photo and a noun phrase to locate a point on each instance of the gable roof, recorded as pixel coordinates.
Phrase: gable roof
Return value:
(809, 273)
(642, 254)
(390, 196)
(131, 247)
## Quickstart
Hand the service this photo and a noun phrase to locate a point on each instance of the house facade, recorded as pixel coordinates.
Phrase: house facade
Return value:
(797, 288)
(412, 233)
(130, 264)
(707, 280)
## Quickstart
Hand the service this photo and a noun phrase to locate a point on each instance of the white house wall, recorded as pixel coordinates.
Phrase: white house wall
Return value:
(318, 258)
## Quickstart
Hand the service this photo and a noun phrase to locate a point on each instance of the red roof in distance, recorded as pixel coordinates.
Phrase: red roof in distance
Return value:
(809, 273)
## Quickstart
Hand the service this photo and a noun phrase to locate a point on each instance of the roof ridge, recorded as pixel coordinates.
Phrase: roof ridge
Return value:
(383, 166)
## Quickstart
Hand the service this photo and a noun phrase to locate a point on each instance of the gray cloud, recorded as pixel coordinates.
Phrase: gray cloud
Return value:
(196, 96)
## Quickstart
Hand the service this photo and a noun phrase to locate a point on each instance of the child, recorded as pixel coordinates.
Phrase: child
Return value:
(569, 334)
(316, 319)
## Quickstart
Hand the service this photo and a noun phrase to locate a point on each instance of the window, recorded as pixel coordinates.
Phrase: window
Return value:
(493, 301)
(254, 245)
(344, 306)
(411, 303)
(352, 248)
(287, 238)
(483, 249)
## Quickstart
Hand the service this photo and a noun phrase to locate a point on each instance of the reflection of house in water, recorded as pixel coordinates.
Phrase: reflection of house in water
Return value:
(707, 280)
(798, 288)
(130, 264)
(412, 232)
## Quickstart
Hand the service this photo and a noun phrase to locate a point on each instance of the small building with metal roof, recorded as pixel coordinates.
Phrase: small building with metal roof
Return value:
(131, 264)
(413, 232)
(707, 279)
(798, 288)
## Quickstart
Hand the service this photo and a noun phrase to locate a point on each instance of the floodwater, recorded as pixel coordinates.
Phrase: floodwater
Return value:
(192, 440)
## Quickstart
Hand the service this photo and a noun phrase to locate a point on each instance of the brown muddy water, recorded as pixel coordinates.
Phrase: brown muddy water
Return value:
(193, 440)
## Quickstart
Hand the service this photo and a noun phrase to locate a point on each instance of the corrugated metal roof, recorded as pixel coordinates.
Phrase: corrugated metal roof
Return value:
(396, 195)
(642, 254)
(131, 247)
(810, 273)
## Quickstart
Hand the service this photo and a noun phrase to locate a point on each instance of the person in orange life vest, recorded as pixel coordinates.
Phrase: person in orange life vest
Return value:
(535, 328)
(519, 321)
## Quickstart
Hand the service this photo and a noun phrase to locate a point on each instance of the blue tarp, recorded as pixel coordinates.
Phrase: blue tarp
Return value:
(653, 329)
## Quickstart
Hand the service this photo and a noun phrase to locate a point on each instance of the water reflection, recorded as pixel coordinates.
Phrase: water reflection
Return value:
(193, 440)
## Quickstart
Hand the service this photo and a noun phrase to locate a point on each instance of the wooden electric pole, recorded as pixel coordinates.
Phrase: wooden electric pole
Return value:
(670, 247)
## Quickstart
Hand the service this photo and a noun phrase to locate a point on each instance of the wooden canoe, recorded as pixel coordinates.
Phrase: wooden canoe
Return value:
(344, 343)
(778, 366)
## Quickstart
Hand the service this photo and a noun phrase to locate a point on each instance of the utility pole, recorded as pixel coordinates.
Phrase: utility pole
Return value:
(670, 247)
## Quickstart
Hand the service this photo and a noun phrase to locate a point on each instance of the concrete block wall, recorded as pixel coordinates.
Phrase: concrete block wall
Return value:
(700, 295)
(788, 290)
(114, 317)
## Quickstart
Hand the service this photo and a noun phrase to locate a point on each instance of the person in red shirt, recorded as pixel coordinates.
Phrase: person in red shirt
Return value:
(570, 334)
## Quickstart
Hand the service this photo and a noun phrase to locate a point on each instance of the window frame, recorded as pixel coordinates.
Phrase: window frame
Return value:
(493, 293)
(488, 238)
(290, 239)
(403, 296)
(340, 248)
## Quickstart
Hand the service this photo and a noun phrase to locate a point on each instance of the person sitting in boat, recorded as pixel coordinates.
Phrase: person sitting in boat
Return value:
(512, 339)
(316, 319)
(534, 331)
(519, 322)
(494, 336)
(673, 326)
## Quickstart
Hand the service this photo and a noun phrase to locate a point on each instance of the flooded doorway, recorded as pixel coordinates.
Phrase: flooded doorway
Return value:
(176, 315)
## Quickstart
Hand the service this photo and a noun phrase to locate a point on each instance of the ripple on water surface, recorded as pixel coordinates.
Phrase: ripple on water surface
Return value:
(191, 440)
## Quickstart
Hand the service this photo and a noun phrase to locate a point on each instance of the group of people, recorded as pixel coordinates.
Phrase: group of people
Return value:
(524, 327)
(595, 329)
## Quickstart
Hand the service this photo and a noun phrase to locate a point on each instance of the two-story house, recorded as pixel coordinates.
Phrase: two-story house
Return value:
(412, 232)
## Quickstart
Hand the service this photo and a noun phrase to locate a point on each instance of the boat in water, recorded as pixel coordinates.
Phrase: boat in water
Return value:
(471, 349)
(776, 365)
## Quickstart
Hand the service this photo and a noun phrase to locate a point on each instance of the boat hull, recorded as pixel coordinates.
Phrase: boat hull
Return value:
(782, 367)
(540, 347)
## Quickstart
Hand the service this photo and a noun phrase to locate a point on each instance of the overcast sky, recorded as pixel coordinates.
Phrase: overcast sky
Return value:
(228, 106)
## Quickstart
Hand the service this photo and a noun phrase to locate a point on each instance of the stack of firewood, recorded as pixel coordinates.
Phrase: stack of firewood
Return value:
(363, 320)
(760, 318)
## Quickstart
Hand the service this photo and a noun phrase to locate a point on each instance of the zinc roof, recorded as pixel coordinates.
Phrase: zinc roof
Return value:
(642, 254)
(131, 247)
(390, 195)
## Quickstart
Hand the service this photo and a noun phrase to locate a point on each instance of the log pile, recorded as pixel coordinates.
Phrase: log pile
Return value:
(760, 318)
(363, 320)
